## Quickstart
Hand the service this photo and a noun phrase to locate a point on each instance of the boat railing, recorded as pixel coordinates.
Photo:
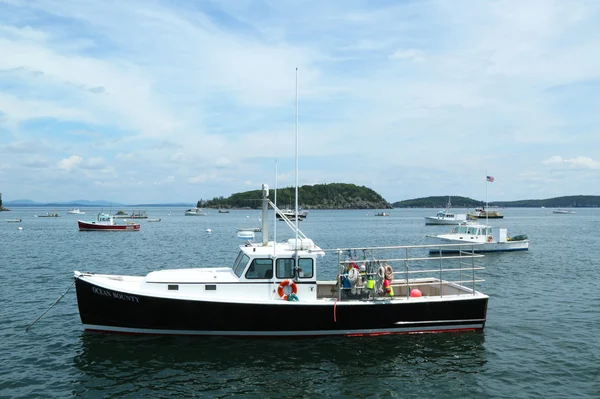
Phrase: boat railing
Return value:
(409, 268)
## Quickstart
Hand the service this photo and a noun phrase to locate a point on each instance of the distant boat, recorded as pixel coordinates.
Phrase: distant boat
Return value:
(223, 211)
(106, 222)
(563, 211)
(383, 214)
(138, 215)
(13, 220)
(446, 217)
(483, 213)
(194, 212)
(49, 215)
(75, 211)
(291, 215)
(153, 220)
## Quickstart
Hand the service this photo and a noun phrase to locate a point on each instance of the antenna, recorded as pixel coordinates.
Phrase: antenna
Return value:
(296, 193)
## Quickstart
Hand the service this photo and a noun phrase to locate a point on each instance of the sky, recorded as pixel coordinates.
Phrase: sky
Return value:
(160, 101)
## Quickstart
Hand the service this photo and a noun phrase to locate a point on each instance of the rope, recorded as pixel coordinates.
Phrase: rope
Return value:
(335, 311)
(58, 300)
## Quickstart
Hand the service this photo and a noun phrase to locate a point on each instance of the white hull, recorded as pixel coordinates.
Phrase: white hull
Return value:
(477, 245)
(432, 220)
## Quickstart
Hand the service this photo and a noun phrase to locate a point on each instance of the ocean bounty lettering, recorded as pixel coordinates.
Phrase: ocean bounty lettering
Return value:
(116, 295)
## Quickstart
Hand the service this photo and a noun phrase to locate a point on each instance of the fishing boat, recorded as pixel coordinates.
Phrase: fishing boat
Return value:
(49, 215)
(106, 222)
(563, 211)
(480, 237)
(194, 212)
(75, 211)
(138, 215)
(445, 217)
(485, 213)
(272, 290)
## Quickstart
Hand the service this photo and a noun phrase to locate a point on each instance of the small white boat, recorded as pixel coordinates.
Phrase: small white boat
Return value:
(75, 211)
(446, 217)
(18, 220)
(563, 211)
(153, 220)
(484, 239)
(194, 212)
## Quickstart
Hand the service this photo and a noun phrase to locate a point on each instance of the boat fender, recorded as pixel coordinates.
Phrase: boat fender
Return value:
(282, 285)
(489, 238)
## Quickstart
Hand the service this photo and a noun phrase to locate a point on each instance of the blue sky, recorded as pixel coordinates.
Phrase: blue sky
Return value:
(173, 101)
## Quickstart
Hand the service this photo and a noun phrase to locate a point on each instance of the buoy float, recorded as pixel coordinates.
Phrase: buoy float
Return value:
(20, 228)
(415, 293)
(208, 231)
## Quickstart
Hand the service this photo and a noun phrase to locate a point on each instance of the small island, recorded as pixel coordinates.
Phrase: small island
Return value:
(318, 196)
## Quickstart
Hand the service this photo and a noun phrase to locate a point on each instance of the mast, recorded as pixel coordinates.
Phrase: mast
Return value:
(296, 192)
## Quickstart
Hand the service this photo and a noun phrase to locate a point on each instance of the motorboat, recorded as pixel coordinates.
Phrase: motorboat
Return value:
(484, 213)
(153, 220)
(106, 222)
(223, 210)
(75, 211)
(291, 215)
(17, 220)
(272, 290)
(383, 214)
(121, 215)
(482, 238)
(194, 212)
(445, 217)
(563, 211)
(49, 215)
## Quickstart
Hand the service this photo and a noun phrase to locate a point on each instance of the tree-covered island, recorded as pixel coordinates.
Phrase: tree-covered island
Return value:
(318, 196)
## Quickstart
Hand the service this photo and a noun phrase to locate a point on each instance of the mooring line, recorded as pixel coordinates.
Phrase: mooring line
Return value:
(58, 300)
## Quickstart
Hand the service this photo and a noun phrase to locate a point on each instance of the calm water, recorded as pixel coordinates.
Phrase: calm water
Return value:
(541, 337)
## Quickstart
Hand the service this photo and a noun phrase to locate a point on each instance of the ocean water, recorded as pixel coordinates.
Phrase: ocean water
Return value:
(541, 338)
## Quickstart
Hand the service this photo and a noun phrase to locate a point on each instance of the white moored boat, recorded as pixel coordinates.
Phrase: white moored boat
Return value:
(482, 238)
(75, 211)
(194, 212)
(445, 217)
(563, 211)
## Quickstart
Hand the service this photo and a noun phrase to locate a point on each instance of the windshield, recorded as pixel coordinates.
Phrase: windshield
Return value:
(240, 263)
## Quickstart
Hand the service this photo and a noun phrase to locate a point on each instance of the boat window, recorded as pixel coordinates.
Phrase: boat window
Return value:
(305, 268)
(285, 268)
(240, 263)
(260, 269)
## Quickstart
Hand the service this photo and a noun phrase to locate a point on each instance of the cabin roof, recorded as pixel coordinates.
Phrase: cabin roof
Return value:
(281, 249)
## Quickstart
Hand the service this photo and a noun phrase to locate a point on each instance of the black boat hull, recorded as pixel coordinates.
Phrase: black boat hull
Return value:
(109, 310)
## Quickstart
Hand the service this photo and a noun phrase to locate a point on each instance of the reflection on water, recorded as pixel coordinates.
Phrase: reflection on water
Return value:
(118, 366)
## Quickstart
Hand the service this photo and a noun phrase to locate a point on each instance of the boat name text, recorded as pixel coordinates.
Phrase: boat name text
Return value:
(116, 295)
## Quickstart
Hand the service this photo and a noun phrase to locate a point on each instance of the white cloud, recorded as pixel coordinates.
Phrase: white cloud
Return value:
(69, 163)
(577, 162)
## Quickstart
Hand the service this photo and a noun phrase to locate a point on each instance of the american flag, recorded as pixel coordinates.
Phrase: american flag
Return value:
(489, 178)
